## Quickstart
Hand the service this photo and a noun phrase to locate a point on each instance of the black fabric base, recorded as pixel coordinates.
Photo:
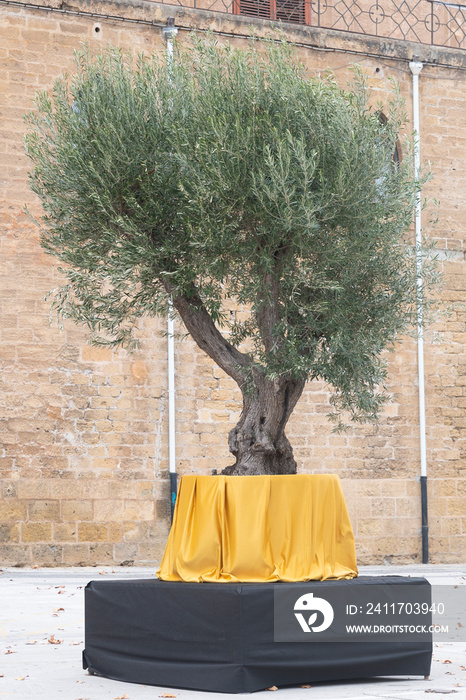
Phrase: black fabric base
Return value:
(220, 637)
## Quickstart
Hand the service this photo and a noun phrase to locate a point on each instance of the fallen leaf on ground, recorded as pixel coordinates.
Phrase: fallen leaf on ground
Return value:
(59, 610)
(60, 592)
(167, 695)
(459, 624)
(306, 686)
(1, 675)
(59, 586)
(122, 697)
(31, 642)
(447, 661)
(52, 640)
(9, 651)
(21, 678)
(463, 668)
(79, 681)
(272, 687)
(103, 573)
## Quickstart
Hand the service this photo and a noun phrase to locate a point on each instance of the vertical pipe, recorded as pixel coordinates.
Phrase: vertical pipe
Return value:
(170, 32)
(416, 67)
(424, 521)
(171, 409)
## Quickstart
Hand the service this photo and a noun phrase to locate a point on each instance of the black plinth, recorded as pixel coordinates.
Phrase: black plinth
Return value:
(220, 637)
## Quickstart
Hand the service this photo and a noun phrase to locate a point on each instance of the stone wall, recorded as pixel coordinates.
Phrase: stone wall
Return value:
(83, 430)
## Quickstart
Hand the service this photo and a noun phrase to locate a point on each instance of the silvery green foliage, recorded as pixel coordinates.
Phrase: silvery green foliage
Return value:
(233, 174)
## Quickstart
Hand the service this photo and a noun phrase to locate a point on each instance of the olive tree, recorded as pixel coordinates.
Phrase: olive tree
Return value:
(232, 174)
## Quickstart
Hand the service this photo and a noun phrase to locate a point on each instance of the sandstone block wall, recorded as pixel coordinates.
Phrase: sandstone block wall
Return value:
(83, 430)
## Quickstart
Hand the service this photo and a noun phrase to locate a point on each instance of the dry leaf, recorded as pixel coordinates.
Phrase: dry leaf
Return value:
(52, 640)
(79, 681)
(459, 624)
(59, 586)
(21, 678)
(60, 592)
(447, 661)
(10, 651)
(2, 675)
(58, 610)
(306, 686)
(103, 573)
(272, 687)
(31, 643)
(463, 668)
(167, 695)
(123, 697)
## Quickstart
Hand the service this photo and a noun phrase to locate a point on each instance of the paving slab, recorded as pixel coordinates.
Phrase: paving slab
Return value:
(42, 637)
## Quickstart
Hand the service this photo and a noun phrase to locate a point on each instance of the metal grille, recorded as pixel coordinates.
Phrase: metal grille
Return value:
(291, 11)
(283, 10)
(425, 21)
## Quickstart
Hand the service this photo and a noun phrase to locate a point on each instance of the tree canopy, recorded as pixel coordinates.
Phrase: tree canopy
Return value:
(233, 174)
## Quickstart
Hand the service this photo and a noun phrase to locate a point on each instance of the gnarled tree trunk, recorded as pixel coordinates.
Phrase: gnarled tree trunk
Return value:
(258, 441)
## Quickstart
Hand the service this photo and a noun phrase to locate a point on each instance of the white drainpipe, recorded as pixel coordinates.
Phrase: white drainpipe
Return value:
(170, 32)
(416, 67)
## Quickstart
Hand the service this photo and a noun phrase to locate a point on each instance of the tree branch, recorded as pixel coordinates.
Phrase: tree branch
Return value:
(200, 325)
(268, 315)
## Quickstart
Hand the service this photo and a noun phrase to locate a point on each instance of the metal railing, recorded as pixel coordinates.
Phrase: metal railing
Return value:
(424, 21)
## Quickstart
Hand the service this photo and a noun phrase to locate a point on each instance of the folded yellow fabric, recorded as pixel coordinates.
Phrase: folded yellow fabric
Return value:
(259, 528)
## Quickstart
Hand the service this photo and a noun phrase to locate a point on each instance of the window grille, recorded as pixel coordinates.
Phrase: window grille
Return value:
(297, 11)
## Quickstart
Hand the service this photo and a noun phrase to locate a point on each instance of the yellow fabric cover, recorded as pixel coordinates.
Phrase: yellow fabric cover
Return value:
(259, 528)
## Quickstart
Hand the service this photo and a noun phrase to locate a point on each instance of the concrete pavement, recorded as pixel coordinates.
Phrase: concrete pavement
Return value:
(41, 640)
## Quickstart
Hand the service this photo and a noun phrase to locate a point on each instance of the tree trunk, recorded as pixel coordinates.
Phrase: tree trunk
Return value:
(258, 441)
